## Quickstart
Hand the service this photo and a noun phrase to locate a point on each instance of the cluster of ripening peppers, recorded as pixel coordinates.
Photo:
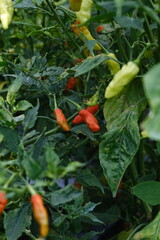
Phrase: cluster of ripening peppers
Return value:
(84, 115)
(39, 210)
(121, 77)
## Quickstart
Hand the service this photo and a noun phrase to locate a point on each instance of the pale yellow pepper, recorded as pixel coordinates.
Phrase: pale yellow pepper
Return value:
(6, 12)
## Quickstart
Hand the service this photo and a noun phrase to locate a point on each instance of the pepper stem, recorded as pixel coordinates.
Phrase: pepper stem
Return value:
(75, 104)
(55, 101)
(30, 188)
(10, 180)
(138, 59)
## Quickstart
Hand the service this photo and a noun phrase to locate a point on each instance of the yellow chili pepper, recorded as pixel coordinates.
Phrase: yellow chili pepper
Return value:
(6, 12)
(114, 66)
(75, 5)
(121, 79)
(84, 30)
(85, 11)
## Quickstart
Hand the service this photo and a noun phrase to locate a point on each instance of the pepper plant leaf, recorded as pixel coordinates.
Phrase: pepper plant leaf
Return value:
(148, 191)
(150, 232)
(152, 89)
(16, 221)
(120, 144)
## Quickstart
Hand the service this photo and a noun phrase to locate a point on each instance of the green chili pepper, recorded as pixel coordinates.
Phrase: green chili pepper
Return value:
(94, 99)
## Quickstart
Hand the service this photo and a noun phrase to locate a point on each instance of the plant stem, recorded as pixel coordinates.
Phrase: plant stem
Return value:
(86, 83)
(61, 23)
(10, 180)
(37, 79)
(133, 171)
(30, 188)
(122, 50)
(148, 210)
(46, 134)
(148, 30)
(140, 161)
(28, 233)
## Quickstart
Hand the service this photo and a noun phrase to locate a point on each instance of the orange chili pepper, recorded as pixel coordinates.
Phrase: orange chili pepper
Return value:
(61, 119)
(40, 214)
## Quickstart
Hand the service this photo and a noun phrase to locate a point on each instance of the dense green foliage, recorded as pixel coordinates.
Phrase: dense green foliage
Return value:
(95, 185)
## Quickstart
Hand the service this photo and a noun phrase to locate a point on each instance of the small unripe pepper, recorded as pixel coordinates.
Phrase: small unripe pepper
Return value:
(94, 99)
(85, 11)
(90, 120)
(6, 12)
(121, 79)
(75, 5)
(84, 30)
(3, 201)
(61, 119)
(40, 214)
(78, 119)
(71, 83)
(114, 66)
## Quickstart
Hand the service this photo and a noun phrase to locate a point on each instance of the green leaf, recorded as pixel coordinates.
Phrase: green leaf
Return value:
(16, 221)
(83, 129)
(52, 160)
(64, 195)
(71, 167)
(152, 89)
(24, 4)
(22, 106)
(110, 215)
(148, 191)
(120, 144)
(39, 2)
(33, 169)
(116, 151)
(90, 206)
(86, 178)
(130, 101)
(90, 218)
(128, 22)
(150, 232)
(59, 220)
(13, 90)
(6, 116)
(31, 117)
(10, 140)
(90, 235)
(34, 161)
(88, 64)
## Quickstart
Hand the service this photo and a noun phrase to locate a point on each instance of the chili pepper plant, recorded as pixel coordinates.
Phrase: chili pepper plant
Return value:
(79, 120)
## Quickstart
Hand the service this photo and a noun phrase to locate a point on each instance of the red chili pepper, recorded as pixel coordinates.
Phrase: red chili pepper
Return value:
(77, 185)
(99, 29)
(61, 119)
(3, 201)
(90, 120)
(78, 119)
(40, 214)
(71, 83)
(78, 61)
